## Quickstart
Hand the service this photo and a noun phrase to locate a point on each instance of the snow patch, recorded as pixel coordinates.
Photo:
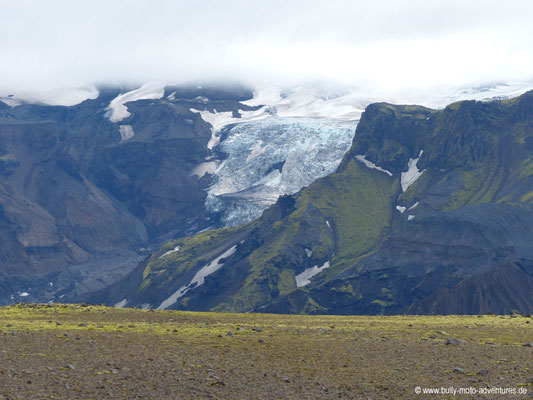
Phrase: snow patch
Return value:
(121, 303)
(117, 107)
(309, 252)
(198, 279)
(413, 206)
(370, 164)
(208, 167)
(169, 252)
(410, 217)
(327, 223)
(126, 132)
(412, 174)
(304, 278)
(23, 294)
(11, 101)
(401, 209)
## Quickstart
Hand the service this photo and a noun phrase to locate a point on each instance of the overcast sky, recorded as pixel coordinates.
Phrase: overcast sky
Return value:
(56, 43)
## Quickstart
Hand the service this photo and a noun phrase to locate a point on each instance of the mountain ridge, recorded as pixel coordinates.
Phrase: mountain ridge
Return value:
(379, 249)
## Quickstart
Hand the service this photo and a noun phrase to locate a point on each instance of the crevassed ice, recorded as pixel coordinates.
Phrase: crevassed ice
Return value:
(271, 157)
(304, 278)
(412, 174)
(370, 164)
(198, 279)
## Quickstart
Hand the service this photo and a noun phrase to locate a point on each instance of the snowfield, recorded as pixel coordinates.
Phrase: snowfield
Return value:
(117, 107)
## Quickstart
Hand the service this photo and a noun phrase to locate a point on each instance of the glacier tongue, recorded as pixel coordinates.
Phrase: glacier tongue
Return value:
(274, 156)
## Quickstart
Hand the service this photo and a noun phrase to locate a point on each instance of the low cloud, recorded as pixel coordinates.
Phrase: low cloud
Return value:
(396, 44)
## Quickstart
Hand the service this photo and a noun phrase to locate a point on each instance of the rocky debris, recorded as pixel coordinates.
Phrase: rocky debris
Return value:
(452, 341)
(528, 344)
(458, 370)
(483, 372)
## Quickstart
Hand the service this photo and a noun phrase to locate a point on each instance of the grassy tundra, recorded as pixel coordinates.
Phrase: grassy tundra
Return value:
(89, 352)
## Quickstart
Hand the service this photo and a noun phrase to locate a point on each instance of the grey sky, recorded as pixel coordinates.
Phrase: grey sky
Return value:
(58, 43)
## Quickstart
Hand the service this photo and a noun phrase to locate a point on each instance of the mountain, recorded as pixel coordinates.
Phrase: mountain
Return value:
(90, 189)
(87, 189)
(430, 211)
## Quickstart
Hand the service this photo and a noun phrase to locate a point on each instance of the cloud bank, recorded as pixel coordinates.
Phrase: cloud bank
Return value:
(391, 44)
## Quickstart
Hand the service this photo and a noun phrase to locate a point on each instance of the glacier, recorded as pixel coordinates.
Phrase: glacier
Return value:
(270, 157)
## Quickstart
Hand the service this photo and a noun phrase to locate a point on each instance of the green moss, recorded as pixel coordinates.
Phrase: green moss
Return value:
(526, 168)
(527, 197)
(286, 282)
(382, 303)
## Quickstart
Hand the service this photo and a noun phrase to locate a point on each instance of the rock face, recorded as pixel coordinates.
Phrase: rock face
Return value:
(85, 195)
(430, 211)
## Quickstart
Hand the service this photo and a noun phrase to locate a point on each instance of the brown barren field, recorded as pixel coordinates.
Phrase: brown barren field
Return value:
(89, 352)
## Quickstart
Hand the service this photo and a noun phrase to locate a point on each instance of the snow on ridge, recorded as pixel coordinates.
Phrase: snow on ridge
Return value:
(117, 107)
(371, 165)
(303, 278)
(307, 102)
(412, 174)
(11, 101)
(67, 96)
(175, 249)
(198, 279)
(218, 120)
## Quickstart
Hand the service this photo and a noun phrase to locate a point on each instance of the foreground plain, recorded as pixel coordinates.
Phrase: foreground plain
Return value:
(89, 352)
